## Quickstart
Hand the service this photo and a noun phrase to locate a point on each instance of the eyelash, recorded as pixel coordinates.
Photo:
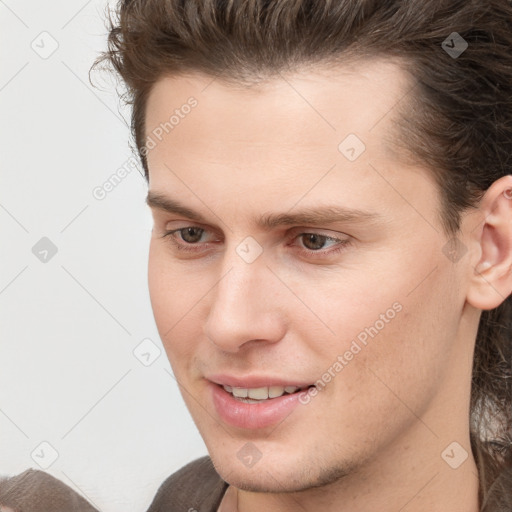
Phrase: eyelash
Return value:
(188, 247)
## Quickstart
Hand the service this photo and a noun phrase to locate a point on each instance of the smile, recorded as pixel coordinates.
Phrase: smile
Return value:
(255, 408)
(256, 395)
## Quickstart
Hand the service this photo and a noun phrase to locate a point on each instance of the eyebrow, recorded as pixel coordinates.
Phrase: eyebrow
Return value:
(315, 216)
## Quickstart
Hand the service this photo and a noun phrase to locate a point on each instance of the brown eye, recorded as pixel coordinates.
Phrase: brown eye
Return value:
(313, 241)
(191, 235)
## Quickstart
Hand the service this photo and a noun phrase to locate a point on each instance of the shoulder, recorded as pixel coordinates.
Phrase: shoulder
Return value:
(196, 487)
(35, 490)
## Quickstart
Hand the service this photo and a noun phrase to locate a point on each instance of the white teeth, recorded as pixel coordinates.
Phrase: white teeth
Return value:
(258, 393)
(240, 392)
(261, 393)
(275, 391)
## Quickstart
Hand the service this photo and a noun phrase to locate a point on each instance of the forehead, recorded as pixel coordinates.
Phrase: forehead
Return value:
(299, 112)
(321, 135)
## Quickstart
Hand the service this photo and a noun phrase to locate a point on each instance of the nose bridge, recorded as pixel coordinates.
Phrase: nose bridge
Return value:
(244, 266)
(242, 305)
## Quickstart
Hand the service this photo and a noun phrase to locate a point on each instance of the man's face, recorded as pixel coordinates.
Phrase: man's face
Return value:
(365, 304)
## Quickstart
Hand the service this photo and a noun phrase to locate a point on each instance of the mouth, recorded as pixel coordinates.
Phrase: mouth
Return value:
(262, 394)
(255, 402)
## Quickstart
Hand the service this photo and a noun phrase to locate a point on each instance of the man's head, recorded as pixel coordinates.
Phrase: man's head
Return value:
(250, 117)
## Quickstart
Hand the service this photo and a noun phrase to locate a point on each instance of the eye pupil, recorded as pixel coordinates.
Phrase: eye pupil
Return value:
(313, 241)
(191, 235)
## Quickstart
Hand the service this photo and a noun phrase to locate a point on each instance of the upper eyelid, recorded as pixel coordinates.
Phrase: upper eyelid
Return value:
(297, 232)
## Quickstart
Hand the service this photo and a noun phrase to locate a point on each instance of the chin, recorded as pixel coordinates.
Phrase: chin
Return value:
(278, 475)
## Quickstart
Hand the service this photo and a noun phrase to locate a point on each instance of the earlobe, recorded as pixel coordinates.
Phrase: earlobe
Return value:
(491, 279)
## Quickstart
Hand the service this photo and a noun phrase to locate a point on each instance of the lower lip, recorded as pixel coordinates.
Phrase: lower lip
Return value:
(252, 416)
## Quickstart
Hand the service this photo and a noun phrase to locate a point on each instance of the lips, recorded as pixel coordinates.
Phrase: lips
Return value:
(254, 402)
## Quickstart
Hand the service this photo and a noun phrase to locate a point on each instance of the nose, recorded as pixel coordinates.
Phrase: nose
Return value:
(245, 306)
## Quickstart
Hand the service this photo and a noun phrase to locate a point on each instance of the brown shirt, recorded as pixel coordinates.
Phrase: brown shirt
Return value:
(196, 487)
(37, 491)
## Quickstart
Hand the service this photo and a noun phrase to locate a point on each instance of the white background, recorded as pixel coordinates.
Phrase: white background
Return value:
(69, 326)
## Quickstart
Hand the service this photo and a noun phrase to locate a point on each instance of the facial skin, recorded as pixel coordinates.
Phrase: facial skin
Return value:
(373, 437)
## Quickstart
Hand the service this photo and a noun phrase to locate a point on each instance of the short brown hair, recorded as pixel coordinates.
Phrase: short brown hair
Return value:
(460, 127)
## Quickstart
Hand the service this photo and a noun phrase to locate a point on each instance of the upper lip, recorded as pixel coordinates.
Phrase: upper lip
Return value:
(255, 381)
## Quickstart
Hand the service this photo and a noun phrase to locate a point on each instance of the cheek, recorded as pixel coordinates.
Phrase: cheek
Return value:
(166, 292)
(175, 299)
(352, 309)
(389, 330)
(158, 287)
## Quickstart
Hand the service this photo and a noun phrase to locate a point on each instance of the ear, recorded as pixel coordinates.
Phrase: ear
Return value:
(491, 274)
